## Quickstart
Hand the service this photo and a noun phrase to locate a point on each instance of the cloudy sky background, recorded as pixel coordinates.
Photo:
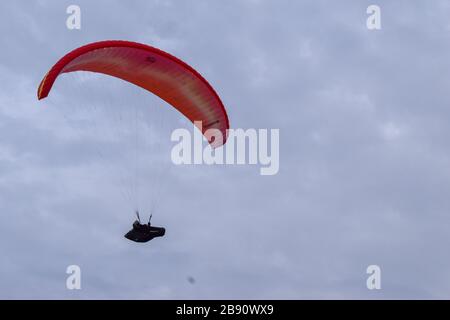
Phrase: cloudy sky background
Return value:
(365, 160)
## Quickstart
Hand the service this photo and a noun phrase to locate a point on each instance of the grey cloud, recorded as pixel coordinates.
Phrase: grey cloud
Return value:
(364, 158)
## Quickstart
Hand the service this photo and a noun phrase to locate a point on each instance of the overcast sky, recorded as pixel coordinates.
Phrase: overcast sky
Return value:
(364, 155)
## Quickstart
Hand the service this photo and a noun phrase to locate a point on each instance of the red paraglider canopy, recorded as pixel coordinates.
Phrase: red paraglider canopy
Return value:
(152, 69)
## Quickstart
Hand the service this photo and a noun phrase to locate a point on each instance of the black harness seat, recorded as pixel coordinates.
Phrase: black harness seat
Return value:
(144, 232)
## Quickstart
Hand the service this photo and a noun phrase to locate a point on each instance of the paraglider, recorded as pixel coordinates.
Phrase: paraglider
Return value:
(158, 72)
(144, 232)
(152, 69)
